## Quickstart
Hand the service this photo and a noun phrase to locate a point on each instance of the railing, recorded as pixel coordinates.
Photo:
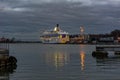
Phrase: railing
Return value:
(4, 46)
(4, 50)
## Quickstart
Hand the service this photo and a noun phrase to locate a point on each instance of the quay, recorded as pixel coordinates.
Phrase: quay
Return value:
(108, 48)
(6, 61)
(102, 51)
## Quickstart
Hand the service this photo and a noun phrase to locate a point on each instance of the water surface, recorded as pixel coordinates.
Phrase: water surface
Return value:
(61, 62)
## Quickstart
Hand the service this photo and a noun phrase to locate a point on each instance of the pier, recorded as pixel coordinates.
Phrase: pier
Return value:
(108, 48)
(6, 61)
(102, 50)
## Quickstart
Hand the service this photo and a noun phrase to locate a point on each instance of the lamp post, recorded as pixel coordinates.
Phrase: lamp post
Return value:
(82, 32)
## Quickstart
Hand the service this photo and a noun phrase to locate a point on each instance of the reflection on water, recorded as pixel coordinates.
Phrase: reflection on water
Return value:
(4, 75)
(58, 59)
(109, 63)
(82, 57)
(4, 72)
(109, 60)
(62, 62)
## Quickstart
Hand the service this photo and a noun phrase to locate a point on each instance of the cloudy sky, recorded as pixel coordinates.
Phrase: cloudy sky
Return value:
(27, 19)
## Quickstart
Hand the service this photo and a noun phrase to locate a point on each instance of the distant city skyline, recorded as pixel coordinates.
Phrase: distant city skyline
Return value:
(27, 19)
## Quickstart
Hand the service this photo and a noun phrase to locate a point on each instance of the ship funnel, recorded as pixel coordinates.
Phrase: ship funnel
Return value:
(57, 28)
(57, 25)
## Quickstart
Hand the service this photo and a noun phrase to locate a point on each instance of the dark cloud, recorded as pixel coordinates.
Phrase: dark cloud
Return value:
(26, 16)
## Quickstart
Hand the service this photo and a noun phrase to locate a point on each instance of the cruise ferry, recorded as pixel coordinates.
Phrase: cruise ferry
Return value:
(55, 36)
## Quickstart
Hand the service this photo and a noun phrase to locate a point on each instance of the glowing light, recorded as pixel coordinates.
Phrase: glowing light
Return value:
(81, 29)
(56, 29)
(82, 57)
(59, 60)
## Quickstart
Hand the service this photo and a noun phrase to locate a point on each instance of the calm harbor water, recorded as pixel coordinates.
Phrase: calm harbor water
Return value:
(61, 62)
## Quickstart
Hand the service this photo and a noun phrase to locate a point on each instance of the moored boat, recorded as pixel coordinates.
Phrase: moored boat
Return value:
(55, 36)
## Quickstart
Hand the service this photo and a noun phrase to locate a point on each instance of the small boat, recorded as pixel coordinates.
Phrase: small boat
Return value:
(55, 36)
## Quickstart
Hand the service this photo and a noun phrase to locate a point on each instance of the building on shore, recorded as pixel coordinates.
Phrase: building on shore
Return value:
(101, 38)
(78, 38)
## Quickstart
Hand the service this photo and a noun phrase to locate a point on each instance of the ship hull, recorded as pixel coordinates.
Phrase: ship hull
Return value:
(56, 40)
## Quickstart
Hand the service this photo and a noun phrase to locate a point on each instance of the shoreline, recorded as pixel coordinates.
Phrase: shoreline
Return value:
(60, 43)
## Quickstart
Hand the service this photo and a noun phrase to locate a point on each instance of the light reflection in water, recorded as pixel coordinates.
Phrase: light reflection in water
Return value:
(58, 59)
(4, 75)
(82, 57)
